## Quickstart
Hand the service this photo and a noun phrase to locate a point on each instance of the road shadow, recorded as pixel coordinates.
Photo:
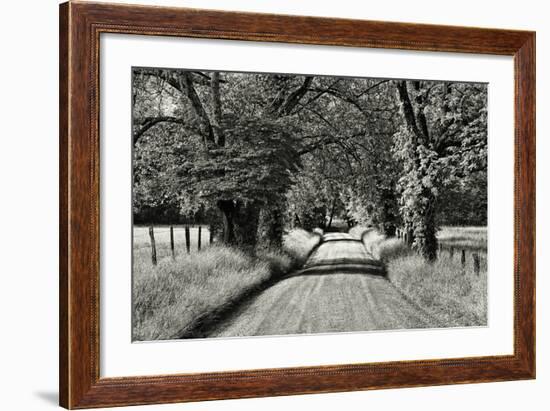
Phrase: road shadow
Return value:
(369, 267)
(345, 266)
(203, 326)
(331, 240)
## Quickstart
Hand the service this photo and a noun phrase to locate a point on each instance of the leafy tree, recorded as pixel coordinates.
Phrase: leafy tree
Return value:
(238, 160)
(443, 138)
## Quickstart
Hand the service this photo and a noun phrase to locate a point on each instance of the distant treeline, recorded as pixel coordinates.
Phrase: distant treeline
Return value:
(167, 214)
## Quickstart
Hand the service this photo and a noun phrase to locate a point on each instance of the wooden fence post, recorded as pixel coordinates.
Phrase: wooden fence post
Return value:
(199, 238)
(475, 257)
(187, 239)
(153, 246)
(172, 242)
(451, 252)
(211, 234)
(463, 258)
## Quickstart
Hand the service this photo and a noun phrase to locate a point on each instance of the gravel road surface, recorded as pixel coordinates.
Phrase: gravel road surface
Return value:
(340, 288)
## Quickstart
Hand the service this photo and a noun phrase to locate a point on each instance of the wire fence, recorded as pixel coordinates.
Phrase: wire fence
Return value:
(173, 240)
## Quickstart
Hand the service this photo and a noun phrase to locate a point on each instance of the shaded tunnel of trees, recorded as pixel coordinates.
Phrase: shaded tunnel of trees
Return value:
(256, 154)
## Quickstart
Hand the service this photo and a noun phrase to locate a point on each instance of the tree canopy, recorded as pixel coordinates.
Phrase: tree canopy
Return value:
(258, 153)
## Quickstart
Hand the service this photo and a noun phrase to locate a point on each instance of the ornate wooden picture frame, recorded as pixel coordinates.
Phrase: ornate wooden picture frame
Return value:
(80, 27)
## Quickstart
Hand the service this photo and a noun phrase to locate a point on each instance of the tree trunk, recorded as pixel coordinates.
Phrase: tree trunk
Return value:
(389, 211)
(297, 222)
(227, 207)
(240, 223)
(408, 110)
(425, 241)
(246, 225)
(332, 210)
(186, 85)
(409, 236)
(217, 108)
(270, 227)
(421, 218)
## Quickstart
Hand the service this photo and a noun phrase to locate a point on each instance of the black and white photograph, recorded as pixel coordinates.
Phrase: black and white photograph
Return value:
(273, 204)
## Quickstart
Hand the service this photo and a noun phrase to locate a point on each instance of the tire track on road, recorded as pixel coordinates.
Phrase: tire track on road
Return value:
(340, 288)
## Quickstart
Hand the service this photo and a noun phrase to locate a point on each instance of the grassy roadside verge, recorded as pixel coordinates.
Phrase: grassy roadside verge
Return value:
(174, 297)
(455, 296)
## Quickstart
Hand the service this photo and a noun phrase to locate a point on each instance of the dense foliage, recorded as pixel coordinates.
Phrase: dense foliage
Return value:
(254, 154)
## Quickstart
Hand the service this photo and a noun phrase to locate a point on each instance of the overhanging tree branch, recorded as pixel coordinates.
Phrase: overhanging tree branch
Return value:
(148, 122)
(366, 91)
(186, 85)
(408, 110)
(284, 107)
(338, 94)
(217, 105)
(315, 97)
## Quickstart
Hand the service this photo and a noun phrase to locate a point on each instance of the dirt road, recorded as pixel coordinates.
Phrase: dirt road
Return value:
(340, 288)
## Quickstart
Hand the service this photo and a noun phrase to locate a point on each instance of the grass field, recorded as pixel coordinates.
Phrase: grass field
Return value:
(172, 298)
(455, 295)
(469, 238)
(142, 242)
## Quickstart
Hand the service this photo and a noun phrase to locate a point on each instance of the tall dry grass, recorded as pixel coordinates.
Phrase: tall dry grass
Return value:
(455, 295)
(172, 298)
(378, 245)
(298, 244)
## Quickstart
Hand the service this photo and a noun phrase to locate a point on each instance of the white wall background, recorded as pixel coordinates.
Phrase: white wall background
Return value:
(29, 190)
